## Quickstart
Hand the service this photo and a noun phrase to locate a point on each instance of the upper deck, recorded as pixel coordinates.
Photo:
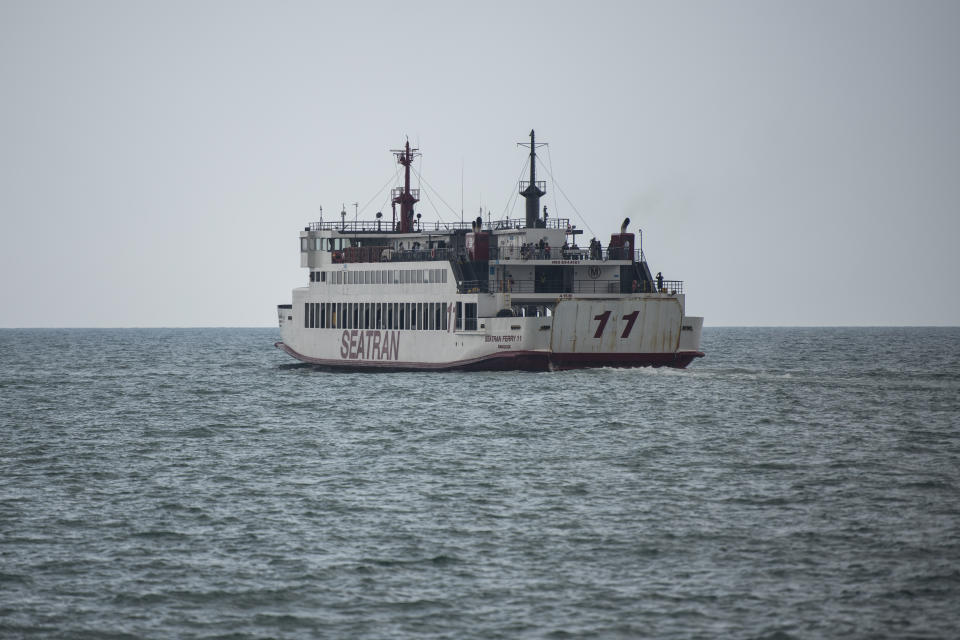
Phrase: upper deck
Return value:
(368, 241)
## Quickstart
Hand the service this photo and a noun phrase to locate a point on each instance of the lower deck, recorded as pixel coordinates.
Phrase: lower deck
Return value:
(641, 330)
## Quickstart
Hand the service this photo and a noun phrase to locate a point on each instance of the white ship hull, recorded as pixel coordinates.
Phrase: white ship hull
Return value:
(644, 330)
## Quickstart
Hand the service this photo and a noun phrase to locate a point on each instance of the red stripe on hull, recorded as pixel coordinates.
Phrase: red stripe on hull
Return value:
(513, 361)
(677, 360)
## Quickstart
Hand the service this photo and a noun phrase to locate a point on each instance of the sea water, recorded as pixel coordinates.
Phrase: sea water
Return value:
(168, 483)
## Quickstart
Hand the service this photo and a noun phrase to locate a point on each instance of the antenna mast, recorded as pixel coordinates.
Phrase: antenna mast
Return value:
(532, 189)
(405, 196)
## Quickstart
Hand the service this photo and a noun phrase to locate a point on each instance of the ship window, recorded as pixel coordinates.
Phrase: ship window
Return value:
(355, 315)
(402, 316)
(303, 244)
(323, 276)
(323, 315)
(443, 315)
(458, 323)
(429, 324)
(436, 315)
(306, 315)
(470, 312)
(419, 276)
(443, 275)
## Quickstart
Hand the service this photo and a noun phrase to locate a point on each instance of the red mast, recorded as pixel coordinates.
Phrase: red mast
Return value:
(405, 196)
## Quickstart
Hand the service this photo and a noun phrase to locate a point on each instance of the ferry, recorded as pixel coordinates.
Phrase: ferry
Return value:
(511, 294)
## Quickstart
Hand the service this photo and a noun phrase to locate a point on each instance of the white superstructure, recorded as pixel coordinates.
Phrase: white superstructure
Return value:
(514, 294)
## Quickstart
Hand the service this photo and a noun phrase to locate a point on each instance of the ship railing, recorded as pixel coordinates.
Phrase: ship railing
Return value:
(571, 253)
(386, 254)
(386, 226)
(474, 286)
(443, 254)
(669, 287)
(538, 184)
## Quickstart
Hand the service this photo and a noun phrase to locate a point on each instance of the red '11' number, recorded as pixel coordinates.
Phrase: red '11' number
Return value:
(630, 319)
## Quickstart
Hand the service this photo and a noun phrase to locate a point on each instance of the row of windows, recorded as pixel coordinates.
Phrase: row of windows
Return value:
(423, 316)
(331, 244)
(382, 276)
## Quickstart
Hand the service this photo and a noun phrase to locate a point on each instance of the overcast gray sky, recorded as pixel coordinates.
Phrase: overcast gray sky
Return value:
(795, 163)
